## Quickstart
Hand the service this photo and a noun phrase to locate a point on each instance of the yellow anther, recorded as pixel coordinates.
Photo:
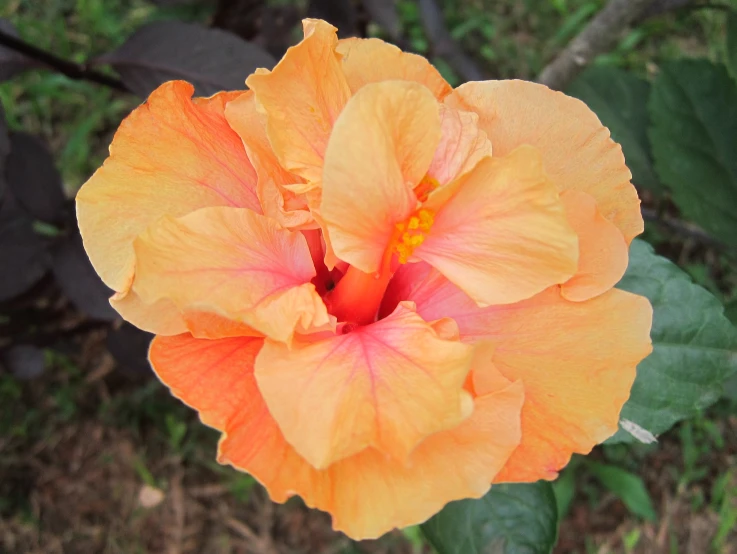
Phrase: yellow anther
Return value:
(412, 234)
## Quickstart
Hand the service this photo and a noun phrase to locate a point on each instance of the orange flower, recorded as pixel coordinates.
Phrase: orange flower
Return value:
(387, 294)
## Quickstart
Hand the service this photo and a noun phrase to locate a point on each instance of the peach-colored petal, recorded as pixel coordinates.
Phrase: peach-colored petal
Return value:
(162, 317)
(232, 262)
(204, 325)
(215, 377)
(603, 252)
(503, 235)
(387, 385)
(170, 156)
(381, 147)
(369, 494)
(577, 361)
(302, 98)
(372, 60)
(462, 146)
(577, 151)
(276, 200)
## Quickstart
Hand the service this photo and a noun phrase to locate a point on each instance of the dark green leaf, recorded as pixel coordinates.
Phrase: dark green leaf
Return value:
(211, 59)
(564, 488)
(693, 107)
(628, 487)
(619, 99)
(732, 43)
(694, 345)
(510, 519)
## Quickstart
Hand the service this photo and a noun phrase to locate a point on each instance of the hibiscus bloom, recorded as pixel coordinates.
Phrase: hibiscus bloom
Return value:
(387, 294)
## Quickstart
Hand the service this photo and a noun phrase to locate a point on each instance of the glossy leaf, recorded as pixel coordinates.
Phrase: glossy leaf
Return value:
(626, 486)
(693, 107)
(33, 178)
(211, 59)
(384, 12)
(24, 256)
(694, 345)
(77, 278)
(619, 99)
(509, 519)
(732, 43)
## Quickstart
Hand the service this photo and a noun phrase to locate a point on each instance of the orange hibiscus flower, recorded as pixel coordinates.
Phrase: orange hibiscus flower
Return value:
(387, 294)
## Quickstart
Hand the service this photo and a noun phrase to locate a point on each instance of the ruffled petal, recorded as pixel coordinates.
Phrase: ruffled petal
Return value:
(277, 202)
(381, 147)
(162, 317)
(462, 146)
(171, 156)
(387, 385)
(371, 60)
(234, 263)
(369, 494)
(577, 361)
(215, 377)
(302, 97)
(502, 236)
(603, 252)
(577, 151)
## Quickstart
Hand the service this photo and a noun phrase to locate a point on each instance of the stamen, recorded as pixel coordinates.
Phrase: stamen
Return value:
(412, 234)
(426, 186)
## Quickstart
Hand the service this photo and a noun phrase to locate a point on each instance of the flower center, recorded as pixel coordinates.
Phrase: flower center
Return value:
(412, 233)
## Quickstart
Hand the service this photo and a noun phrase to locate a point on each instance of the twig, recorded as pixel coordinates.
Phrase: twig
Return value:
(443, 44)
(688, 230)
(599, 36)
(72, 70)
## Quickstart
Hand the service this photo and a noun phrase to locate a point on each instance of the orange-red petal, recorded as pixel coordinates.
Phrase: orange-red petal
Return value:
(215, 377)
(234, 263)
(381, 147)
(371, 60)
(503, 235)
(577, 151)
(170, 156)
(302, 97)
(387, 385)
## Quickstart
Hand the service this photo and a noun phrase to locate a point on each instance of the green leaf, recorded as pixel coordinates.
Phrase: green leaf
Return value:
(628, 487)
(732, 43)
(694, 345)
(619, 99)
(693, 107)
(510, 519)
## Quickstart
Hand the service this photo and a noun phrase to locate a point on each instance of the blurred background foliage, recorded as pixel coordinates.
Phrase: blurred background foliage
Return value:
(156, 487)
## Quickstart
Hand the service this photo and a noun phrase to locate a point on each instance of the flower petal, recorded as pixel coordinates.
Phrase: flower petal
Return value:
(462, 145)
(372, 60)
(215, 377)
(369, 494)
(603, 252)
(577, 151)
(577, 361)
(503, 235)
(302, 98)
(162, 317)
(232, 262)
(171, 156)
(381, 147)
(388, 385)
(276, 201)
